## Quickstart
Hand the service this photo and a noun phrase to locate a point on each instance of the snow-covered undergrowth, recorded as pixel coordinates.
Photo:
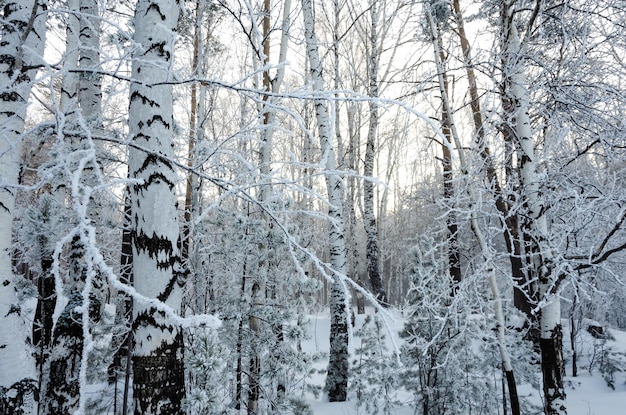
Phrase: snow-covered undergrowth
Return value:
(598, 389)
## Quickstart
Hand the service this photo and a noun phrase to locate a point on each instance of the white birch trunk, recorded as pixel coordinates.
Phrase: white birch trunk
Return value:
(90, 80)
(69, 85)
(550, 320)
(158, 273)
(369, 217)
(60, 384)
(22, 44)
(337, 376)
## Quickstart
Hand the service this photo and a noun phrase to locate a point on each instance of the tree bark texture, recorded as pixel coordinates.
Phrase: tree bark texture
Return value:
(336, 384)
(62, 373)
(21, 47)
(90, 79)
(553, 369)
(158, 272)
(369, 217)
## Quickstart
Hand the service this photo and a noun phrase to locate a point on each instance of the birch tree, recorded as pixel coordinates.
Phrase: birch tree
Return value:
(90, 77)
(517, 104)
(61, 369)
(369, 217)
(446, 161)
(21, 48)
(159, 275)
(79, 337)
(337, 376)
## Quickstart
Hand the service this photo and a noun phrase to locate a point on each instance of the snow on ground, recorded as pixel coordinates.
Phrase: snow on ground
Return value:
(591, 396)
(587, 394)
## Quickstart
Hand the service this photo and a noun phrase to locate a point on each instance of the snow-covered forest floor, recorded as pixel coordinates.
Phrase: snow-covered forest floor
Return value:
(587, 394)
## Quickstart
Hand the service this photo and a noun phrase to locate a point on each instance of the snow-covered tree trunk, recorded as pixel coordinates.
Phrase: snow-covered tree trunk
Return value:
(337, 377)
(60, 378)
(272, 85)
(158, 380)
(551, 334)
(369, 217)
(351, 157)
(77, 117)
(21, 49)
(258, 295)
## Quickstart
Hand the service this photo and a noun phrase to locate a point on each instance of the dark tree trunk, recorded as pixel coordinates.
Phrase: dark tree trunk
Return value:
(62, 385)
(239, 367)
(337, 379)
(46, 302)
(454, 264)
(522, 295)
(121, 363)
(513, 396)
(159, 379)
(553, 370)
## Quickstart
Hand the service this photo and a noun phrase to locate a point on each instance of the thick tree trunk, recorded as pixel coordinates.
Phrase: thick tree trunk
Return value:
(336, 385)
(62, 385)
(60, 377)
(552, 365)
(158, 272)
(21, 48)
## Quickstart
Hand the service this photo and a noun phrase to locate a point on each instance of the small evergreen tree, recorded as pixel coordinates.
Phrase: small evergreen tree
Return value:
(261, 298)
(206, 358)
(374, 375)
